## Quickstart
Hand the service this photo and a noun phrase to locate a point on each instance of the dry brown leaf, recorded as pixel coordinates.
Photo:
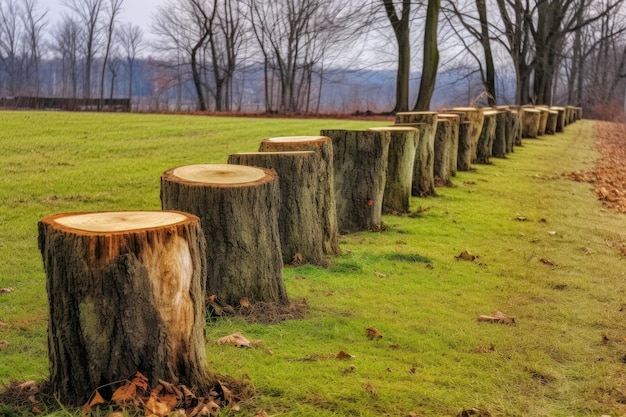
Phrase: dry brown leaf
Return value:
(380, 274)
(546, 261)
(6, 290)
(297, 259)
(235, 339)
(371, 389)
(28, 385)
(96, 399)
(36, 410)
(373, 333)
(261, 413)
(4, 344)
(3, 324)
(156, 407)
(125, 394)
(343, 355)
(244, 303)
(466, 256)
(498, 317)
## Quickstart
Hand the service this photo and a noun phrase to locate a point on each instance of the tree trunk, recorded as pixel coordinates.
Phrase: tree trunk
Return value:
(531, 119)
(553, 116)
(423, 170)
(476, 117)
(126, 295)
(516, 128)
(543, 120)
(498, 148)
(487, 136)
(327, 204)
(360, 160)
(443, 147)
(560, 120)
(300, 223)
(464, 156)
(431, 57)
(455, 120)
(402, 149)
(238, 206)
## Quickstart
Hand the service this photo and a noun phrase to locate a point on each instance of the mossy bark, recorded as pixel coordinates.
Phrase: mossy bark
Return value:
(123, 301)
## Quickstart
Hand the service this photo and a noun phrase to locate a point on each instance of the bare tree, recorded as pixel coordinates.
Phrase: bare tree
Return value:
(401, 29)
(88, 12)
(11, 45)
(431, 57)
(34, 22)
(66, 41)
(130, 39)
(114, 8)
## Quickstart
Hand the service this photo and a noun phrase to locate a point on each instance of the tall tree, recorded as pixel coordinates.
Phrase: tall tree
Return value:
(66, 43)
(130, 39)
(34, 22)
(401, 29)
(431, 57)
(113, 10)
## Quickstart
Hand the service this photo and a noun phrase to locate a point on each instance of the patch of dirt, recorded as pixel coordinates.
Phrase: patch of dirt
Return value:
(609, 174)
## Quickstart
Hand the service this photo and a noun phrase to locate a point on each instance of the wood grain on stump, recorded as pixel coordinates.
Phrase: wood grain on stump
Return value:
(455, 120)
(300, 220)
(553, 118)
(499, 146)
(327, 204)
(476, 117)
(402, 149)
(464, 153)
(360, 160)
(424, 168)
(125, 294)
(560, 120)
(531, 119)
(484, 147)
(239, 207)
(543, 121)
(443, 149)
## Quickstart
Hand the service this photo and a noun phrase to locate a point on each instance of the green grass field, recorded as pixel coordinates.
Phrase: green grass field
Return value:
(565, 356)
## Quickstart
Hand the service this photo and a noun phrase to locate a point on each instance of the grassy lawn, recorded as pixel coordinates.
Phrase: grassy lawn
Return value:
(564, 356)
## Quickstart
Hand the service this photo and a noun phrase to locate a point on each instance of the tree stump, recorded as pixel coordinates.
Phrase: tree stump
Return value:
(553, 117)
(484, 147)
(443, 149)
(464, 155)
(300, 220)
(327, 204)
(560, 120)
(360, 160)
(455, 120)
(531, 119)
(238, 206)
(402, 148)
(423, 170)
(499, 146)
(125, 294)
(543, 121)
(476, 117)
(512, 130)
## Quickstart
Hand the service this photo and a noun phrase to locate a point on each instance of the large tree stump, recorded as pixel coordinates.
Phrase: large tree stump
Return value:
(443, 150)
(326, 204)
(360, 160)
(560, 120)
(553, 118)
(531, 119)
(455, 120)
(402, 149)
(125, 294)
(476, 117)
(300, 220)
(423, 170)
(499, 146)
(464, 155)
(484, 147)
(543, 120)
(511, 134)
(238, 206)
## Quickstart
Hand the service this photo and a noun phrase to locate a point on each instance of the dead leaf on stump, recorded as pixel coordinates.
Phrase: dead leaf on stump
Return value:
(373, 333)
(499, 317)
(466, 256)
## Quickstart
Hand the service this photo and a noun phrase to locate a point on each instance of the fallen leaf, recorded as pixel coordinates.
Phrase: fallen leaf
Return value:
(96, 399)
(260, 413)
(29, 385)
(235, 339)
(155, 407)
(412, 371)
(484, 349)
(466, 256)
(4, 344)
(394, 346)
(244, 303)
(297, 259)
(125, 394)
(498, 317)
(36, 410)
(551, 232)
(6, 290)
(587, 251)
(373, 333)
(474, 412)
(3, 324)
(343, 355)
(546, 262)
(371, 389)
(380, 274)
(141, 381)
(520, 218)
(349, 370)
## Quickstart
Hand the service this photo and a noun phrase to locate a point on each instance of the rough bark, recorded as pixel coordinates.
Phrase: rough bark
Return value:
(402, 149)
(498, 148)
(487, 136)
(300, 220)
(560, 120)
(443, 148)
(516, 128)
(239, 207)
(531, 120)
(423, 170)
(125, 294)
(476, 117)
(327, 204)
(543, 120)
(553, 116)
(464, 155)
(455, 120)
(360, 160)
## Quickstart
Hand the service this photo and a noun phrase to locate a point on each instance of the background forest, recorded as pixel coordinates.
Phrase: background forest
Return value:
(319, 56)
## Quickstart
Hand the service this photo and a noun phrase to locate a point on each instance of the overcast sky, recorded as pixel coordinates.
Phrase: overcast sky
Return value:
(138, 12)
